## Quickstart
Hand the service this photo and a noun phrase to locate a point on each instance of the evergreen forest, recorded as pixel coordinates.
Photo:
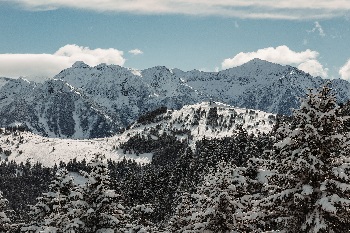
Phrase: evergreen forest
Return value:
(294, 179)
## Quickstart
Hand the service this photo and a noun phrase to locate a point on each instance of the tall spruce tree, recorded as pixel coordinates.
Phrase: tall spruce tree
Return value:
(310, 188)
(75, 209)
(104, 207)
(219, 205)
(48, 213)
(5, 223)
(140, 217)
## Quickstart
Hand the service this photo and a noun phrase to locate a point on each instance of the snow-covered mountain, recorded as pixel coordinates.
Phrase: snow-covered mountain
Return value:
(261, 85)
(89, 102)
(128, 92)
(190, 123)
(53, 109)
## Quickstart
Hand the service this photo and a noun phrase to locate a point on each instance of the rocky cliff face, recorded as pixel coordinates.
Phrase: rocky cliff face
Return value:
(53, 109)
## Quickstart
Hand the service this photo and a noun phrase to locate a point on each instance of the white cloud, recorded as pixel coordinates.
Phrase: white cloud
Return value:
(318, 28)
(135, 52)
(345, 71)
(282, 9)
(281, 54)
(47, 65)
(314, 67)
(305, 60)
(91, 57)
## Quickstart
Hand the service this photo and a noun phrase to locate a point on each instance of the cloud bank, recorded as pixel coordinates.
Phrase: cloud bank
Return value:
(272, 9)
(305, 60)
(314, 68)
(48, 65)
(344, 71)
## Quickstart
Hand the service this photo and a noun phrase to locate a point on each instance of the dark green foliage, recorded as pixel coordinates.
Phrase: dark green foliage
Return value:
(4, 220)
(22, 184)
(19, 128)
(238, 148)
(218, 203)
(166, 147)
(309, 188)
(75, 166)
(103, 207)
(212, 117)
(151, 117)
(166, 178)
(7, 152)
(196, 117)
(345, 112)
(175, 169)
(49, 211)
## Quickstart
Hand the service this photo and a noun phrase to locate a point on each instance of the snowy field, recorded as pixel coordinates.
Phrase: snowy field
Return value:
(50, 151)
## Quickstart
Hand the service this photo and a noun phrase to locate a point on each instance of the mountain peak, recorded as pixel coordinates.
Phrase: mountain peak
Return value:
(258, 61)
(158, 69)
(80, 65)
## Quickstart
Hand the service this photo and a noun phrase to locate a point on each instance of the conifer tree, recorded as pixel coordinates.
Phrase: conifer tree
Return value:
(310, 188)
(5, 223)
(75, 208)
(182, 219)
(219, 204)
(140, 216)
(47, 214)
(104, 208)
(184, 170)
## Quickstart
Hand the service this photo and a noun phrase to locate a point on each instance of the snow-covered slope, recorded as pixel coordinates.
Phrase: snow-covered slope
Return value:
(89, 102)
(50, 151)
(190, 123)
(206, 119)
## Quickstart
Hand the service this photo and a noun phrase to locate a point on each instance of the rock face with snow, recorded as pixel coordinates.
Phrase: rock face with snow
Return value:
(53, 109)
(88, 102)
(190, 123)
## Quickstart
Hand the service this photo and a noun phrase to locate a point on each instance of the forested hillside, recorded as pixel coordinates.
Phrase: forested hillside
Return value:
(294, 178)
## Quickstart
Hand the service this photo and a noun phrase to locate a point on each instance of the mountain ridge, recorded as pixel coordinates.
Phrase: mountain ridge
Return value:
(89, 102)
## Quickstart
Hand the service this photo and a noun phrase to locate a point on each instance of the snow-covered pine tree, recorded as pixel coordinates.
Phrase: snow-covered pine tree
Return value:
(104, 211)
(182, 219)
(5, 223)
(75, 209)
(140, 216)
(184, 170)
(48, 213)
(219, 204)
(310, 191)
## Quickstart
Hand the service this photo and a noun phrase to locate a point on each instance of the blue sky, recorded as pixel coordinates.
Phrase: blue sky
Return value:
(41, 37)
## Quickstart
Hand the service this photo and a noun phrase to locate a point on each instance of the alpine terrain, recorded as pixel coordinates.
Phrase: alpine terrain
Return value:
(91, 102)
